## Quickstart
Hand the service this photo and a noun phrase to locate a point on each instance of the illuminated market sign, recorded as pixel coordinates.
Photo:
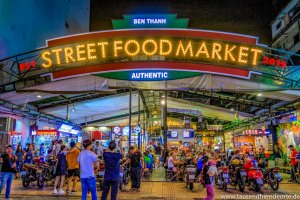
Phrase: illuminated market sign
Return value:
(156, 54)
(194, 50)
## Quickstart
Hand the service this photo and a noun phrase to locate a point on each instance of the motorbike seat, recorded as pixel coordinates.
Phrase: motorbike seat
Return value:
(31, 166)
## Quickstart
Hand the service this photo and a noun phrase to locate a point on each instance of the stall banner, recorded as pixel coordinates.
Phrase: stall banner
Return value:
(214, 127)
(97, 135)
(47, 132)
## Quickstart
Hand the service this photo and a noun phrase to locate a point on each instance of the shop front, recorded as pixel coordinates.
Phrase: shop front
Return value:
(181, 138)
(258, 141)
(210, 140)
(288, 133)
(45, 137)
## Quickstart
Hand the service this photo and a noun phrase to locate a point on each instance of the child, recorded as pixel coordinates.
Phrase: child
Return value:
(212, 170)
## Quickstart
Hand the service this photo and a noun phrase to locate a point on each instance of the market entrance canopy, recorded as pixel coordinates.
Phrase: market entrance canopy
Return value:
(154, 47)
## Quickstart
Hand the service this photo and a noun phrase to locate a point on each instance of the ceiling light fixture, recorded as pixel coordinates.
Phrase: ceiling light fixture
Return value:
(231, 109)
(259, 94)
(163, 102)
(39, 96)
(73, 109)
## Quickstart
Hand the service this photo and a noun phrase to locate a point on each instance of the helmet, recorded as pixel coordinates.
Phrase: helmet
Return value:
(235, 161)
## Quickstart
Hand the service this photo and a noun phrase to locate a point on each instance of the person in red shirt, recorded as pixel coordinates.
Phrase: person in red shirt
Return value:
(294, 164)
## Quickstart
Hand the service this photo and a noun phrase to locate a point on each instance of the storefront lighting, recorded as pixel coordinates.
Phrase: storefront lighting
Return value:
(259, 94)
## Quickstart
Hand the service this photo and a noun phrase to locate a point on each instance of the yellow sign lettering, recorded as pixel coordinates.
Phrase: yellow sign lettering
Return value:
(187, 49)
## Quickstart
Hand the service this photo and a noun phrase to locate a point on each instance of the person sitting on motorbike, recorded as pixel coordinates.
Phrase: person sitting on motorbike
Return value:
(262, 164)
(248, 165)
(235, 160)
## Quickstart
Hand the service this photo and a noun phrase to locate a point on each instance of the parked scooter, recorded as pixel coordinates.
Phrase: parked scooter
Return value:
(222, 179)
(48, 174)
(100, 175)
(190, 172)
(238, 178)
(124, 177)
(31, 174)
(272, 177)
(255, 179)
(297, 175)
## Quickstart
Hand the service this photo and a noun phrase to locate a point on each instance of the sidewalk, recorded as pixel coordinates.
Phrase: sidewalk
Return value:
(149, 190)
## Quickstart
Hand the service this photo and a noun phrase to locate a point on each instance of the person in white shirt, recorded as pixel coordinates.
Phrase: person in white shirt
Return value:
(98, 149)
(171, 165)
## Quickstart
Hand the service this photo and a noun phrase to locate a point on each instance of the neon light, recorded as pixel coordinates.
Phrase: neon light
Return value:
(117, 50)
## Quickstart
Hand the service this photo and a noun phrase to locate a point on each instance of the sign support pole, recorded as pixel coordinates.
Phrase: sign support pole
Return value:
(165, 118)
(129, 135)
(139, 117)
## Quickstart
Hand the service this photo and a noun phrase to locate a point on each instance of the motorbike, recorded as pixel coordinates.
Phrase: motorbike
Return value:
(48, 173)
(237, 177)
(124, 177)
(222, 179)
(297, 175)
(100, 175)
(255, 179)
(31, 174)
(190, 172)
(272, 177)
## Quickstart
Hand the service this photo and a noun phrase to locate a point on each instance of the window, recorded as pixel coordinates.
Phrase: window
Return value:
(278, 25)
(296, 39)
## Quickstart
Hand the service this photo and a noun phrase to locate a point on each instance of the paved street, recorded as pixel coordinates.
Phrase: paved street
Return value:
(150, 190)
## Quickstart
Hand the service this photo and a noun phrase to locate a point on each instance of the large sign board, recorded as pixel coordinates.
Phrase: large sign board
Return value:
(157, 51)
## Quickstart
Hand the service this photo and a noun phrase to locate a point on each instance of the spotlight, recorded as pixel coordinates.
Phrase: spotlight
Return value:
(39, 96)
(162, 102)
(231, 109)
(259, 94)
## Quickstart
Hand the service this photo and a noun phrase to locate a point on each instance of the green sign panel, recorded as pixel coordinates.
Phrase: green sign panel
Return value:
(149, 75)
(150, 21)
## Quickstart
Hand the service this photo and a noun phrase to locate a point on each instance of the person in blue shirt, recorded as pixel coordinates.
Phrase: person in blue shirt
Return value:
(200, 164)
(112, 170)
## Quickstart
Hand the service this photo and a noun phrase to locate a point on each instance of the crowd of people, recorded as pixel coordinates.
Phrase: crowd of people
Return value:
(74, 164)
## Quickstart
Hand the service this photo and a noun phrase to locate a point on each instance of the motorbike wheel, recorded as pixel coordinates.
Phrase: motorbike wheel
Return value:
(257, 187)
(25, 181)
(101, 185)
(274, 183)
(40, 181)
(242, 186)
(297, 178)
(191, 186)
(224, 186)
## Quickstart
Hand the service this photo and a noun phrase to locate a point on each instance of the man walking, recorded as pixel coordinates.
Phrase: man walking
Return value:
(135, 159)
(112, 170)
(88, 161)
(73, 167)
(294, 164)
(7, 171)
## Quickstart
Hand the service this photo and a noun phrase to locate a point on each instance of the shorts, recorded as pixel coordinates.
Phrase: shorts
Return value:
(73, 172)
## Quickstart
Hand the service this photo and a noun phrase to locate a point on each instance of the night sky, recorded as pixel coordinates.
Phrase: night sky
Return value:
(251, 17)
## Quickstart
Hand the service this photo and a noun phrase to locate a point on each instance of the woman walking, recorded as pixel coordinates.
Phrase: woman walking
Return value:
(20, 159)
(61, 170)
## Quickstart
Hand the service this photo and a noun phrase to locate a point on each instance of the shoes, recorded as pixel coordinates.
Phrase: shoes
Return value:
(54, 191)
(132, 189)
(61, 192)
(138, 190)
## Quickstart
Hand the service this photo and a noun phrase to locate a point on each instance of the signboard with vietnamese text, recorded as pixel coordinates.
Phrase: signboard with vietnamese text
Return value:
(47, 132)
